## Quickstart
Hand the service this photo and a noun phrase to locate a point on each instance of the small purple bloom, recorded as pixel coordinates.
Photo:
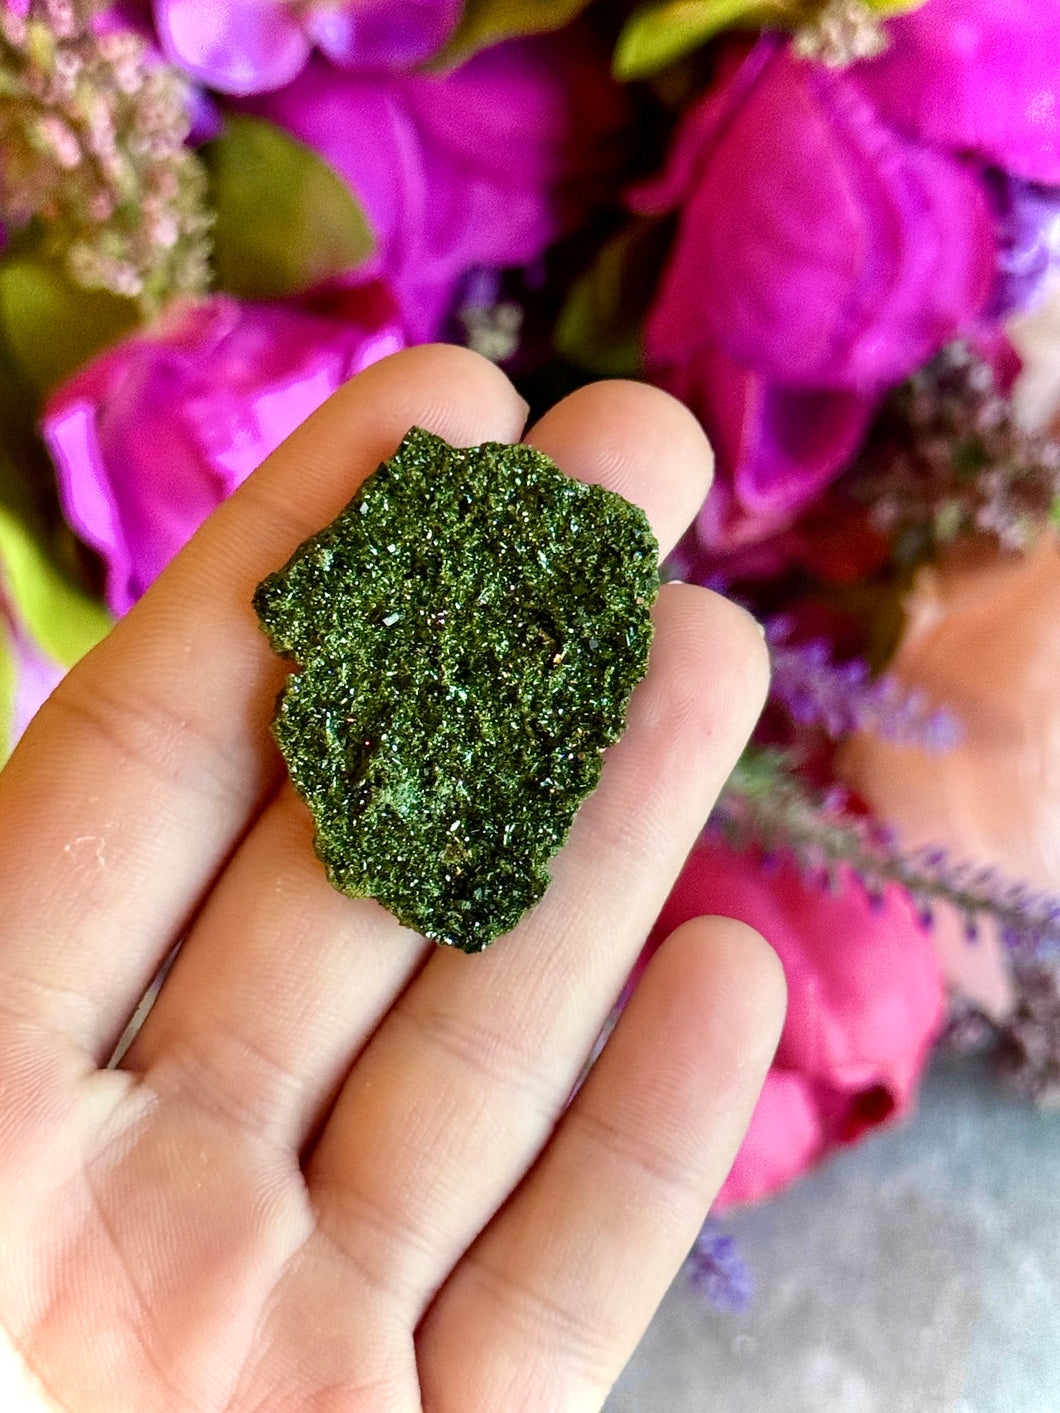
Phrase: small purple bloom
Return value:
(716, 1269)
(1029, 236)
(153, 435)
(842, 698)
(252, 46)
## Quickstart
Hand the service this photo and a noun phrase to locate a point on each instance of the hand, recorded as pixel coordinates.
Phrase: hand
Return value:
(336, 1172)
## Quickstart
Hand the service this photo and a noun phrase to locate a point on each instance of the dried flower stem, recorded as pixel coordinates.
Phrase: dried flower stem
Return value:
(92, 132)
(948, 458)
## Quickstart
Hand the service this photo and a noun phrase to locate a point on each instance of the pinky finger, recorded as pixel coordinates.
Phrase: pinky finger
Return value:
(548, 1305)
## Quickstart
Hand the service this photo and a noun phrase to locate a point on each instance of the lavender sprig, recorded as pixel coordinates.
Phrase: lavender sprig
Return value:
(843, 698)
(718, 1272)
(766, 803)
(92, 133)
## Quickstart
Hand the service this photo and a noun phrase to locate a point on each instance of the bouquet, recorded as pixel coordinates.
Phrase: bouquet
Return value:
(830, 227)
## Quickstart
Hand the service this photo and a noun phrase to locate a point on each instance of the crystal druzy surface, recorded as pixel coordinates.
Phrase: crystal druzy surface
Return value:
(469, 629)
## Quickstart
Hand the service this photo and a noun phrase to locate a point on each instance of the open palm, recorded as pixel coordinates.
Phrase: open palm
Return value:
(337, 1171)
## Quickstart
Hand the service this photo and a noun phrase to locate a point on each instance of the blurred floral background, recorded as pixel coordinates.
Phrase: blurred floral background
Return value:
(831, 227)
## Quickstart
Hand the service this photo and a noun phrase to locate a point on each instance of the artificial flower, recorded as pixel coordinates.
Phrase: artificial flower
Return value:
(157, 431)
(247, 46)
(865, 1002)
(836, 230)
(484, 166)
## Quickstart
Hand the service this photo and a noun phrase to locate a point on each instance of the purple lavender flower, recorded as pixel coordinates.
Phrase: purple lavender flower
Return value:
(718, 1272)
(843, 698)
(247, 46)
(1029, 241)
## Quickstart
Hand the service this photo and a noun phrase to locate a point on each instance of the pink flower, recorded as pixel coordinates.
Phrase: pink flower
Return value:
(484, 166)
(251, 46)
(156, 432)
(865, 1002)
(836, 230)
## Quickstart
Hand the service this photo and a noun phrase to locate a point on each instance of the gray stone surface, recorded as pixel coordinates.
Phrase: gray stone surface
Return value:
(918, 1273)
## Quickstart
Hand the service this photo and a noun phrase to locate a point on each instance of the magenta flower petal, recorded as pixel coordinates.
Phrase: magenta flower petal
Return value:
(382, 34)
(483, 166)
(153, 435)
(777, 447)
(784, 1138)
(839, 255)
(235, 46)
(866, 1000)
(975, 76)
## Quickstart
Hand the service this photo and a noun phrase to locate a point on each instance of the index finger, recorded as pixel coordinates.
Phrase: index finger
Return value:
(137, 778)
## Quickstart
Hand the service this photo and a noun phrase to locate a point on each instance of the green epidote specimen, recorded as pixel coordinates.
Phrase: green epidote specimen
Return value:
(470, 629)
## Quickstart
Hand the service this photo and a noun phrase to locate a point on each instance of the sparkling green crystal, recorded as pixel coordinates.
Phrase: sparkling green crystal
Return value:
(469, 630)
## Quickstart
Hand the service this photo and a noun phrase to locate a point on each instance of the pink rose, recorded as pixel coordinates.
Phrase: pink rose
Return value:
(835, 231)
(157, 431)
(865, 1002)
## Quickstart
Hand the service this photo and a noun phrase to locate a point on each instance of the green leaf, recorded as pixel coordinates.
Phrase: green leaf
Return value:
(658, 34)
(601, 326)
(51, 325)
(286, 220)
(486, 22)
(61, 617)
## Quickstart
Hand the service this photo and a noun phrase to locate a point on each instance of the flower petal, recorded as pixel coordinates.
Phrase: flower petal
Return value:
(382, 34)
(150, 438)
(975, 76)
(777, 447)
(817, 246)
(235, 46)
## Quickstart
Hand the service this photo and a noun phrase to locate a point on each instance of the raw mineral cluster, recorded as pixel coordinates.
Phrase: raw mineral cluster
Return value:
(469, 631)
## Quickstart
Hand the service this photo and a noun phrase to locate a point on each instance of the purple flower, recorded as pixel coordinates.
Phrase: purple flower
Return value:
(836, 230)
(717, 1270)
(1029, 233)
(251, 46)
(484, 166)
(156, 432)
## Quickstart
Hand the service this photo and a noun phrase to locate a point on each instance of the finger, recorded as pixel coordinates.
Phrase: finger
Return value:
(136, 779)
(550, 1302)
(462, 1082)
(323, 969)
(644, 444)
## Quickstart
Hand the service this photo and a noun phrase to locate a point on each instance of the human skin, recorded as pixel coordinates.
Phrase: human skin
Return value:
(338, 1168)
